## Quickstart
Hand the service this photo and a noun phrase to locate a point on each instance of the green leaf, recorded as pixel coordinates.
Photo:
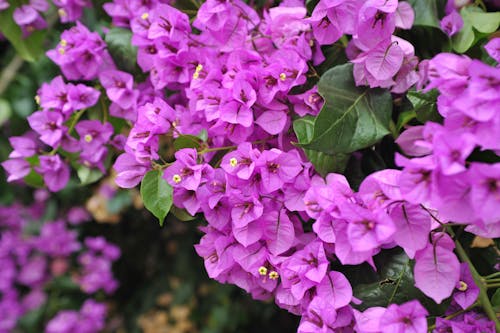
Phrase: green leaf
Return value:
(404, 118)
(426, 13)
(424, 105)
(121, 48)
(29, 48)
(156, 194)
(87, 175)
(181, 214)
(119, 202)
(5, 111)
(464, 39)
(495, 299)
(33, 179)
(32, 320)
(481, 21)
(352, 117)
(477, 25)
(186, 141)
(323, 163)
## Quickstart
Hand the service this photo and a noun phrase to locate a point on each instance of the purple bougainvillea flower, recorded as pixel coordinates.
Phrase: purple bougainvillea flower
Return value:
(129, 171)
(493, 48)
(55, 172)
(49, 125)
(452, 23)
(466, 290)
(28, 19)
(23, 146)
(335, 289)
(4, 4)
(404, 15)
(437, 269)
(17, 168)
(408, 317)
(384, 61)
(81, 96)
(366, 229)
(413, 225)
(485, 192)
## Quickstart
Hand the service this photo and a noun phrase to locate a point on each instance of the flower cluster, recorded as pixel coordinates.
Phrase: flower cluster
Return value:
(82, 55)
(30, 262)
(90, 319)
(275, 227)
(380, 58)
(29, 17)
(446, 171)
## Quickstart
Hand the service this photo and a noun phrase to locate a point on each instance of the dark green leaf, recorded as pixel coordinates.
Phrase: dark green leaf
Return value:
(426, 13)
(352, 117)
(31, 321)
(424, 105)
(323, 163)
(495, 299)
(33, 179)
(181, 214)
(156, 194)
(395, 279)
(121, 48)
(29, 48)
(404, 118)
(186, 141)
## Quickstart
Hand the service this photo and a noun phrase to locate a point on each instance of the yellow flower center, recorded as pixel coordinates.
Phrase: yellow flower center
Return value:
(88, 138)
(197, 71)
(273, 275)
(176, 178)
(463, 286)
(145, 16)
(233, 162)
(282, 76)
(262, 270)
(63, 42)
(61, 50)
(62, 12)
(37, 99)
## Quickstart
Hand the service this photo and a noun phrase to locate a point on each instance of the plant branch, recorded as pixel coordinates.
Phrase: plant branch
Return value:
(483, 295)
(10, 72)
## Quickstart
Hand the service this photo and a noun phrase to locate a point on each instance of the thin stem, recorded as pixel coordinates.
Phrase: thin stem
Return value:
(493, 285)
(481, 4)
(208, 150)
(104, 110)
(483, 295)
(455, 314)
(9, 73)
(492, 280)
(487, 277)
(75, 119)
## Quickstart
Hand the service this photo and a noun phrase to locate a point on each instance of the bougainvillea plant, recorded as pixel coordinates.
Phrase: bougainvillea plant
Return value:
(341, 156)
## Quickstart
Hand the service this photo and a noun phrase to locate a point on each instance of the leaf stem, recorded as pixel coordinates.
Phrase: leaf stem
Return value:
(491, 276)
(455, 314)
(493, 285)
(483, 295)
